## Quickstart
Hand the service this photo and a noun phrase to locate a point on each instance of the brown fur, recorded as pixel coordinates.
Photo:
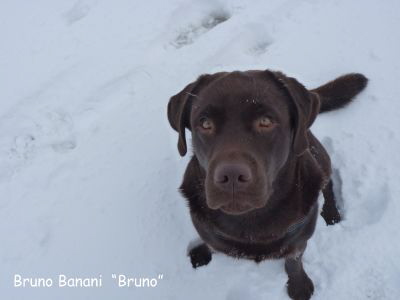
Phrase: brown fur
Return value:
(252, 192)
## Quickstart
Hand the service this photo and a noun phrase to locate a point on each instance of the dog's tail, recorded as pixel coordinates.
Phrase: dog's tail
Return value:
(339, 92)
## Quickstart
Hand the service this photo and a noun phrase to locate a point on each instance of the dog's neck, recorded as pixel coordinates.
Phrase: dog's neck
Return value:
(301, 175)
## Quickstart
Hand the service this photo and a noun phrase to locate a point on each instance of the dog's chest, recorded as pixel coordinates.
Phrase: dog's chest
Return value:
(244, 239)
(248, 231)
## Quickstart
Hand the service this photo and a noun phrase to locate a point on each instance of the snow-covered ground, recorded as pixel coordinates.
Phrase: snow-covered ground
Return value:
(89, 168)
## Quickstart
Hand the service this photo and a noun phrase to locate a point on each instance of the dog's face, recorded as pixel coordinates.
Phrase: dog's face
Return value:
(241, 136)
(244, 126)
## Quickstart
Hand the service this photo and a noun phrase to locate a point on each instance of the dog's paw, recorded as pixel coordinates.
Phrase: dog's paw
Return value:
(300, 288)
(331, 214)
(200, 256)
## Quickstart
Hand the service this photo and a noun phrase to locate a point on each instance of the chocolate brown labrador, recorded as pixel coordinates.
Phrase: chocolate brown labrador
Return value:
(253, 181)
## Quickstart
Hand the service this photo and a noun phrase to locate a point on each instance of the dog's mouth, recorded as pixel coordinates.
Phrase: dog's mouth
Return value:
(235, 208)
(237, 202)
(241, 206)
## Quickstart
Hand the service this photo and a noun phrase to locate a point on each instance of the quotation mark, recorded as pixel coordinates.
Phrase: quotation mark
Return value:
(125, 281)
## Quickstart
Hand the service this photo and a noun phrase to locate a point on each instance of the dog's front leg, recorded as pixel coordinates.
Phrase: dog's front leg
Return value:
(330, 213)
(299, 285)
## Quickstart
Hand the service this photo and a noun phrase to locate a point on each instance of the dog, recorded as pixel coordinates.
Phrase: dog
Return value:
(256, 172)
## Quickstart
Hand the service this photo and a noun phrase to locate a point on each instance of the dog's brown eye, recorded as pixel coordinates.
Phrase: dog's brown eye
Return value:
(265, 122)
(206, 124)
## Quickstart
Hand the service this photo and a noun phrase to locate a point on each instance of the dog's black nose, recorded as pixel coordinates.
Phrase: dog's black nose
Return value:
(232, 176)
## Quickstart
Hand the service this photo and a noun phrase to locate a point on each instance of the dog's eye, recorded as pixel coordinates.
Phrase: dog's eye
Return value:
(206, 124)
(264, 123)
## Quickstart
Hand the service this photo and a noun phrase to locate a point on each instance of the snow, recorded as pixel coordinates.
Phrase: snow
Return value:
(89, 167)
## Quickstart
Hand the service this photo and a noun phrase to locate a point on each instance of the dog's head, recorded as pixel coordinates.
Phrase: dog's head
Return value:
(245, 126)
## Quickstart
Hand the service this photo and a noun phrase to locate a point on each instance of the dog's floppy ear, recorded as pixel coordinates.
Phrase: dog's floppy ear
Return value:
(306, 108)
(179, 107)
